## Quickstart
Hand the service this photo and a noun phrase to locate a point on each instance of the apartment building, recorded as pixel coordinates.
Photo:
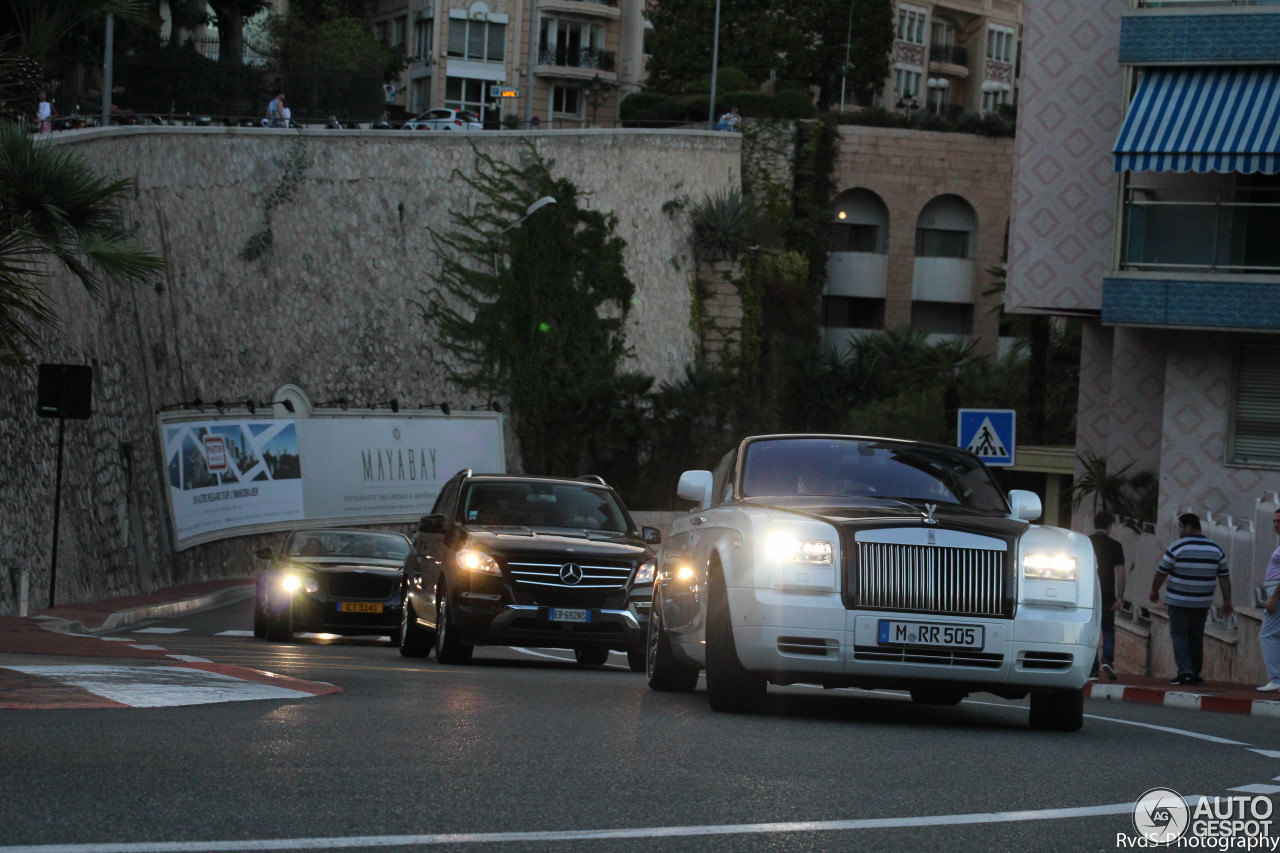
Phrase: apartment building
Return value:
(954, 55)
(474, 56)
(1146, 200)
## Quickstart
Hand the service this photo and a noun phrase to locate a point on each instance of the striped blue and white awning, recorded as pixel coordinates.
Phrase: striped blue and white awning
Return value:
(1203, 120)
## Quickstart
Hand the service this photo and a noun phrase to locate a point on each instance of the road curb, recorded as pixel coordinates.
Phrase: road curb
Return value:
(1178, 699)
(151, 611)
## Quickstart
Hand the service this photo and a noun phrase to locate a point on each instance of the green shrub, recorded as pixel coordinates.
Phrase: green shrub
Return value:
(792, 104)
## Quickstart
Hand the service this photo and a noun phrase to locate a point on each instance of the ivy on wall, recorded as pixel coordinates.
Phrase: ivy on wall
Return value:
(261, 244)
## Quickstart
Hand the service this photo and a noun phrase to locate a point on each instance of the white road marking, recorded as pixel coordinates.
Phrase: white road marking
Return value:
(160, 686)
(234, 634)
(189, 658)
(1257, 789)
(1267, 753)
(159, 630)
(370, 841)
(148, 648)
(1166, 729)
(117, 639)
(523, 650)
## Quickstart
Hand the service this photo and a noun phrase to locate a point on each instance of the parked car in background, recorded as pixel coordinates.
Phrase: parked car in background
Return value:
(334, 581)
(537, 561)
(849, 561)
(444, 119)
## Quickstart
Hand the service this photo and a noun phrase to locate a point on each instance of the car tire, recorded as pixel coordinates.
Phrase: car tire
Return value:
(259, 620)
(730, 686)
(636, 659)
(591, 656)
(663, 672)
(279, 626)
(936, 696)
(449, 646)
(1058, 710)
(414, 641)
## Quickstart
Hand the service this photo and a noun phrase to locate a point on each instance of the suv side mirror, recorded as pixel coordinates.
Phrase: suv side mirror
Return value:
(433, 524)
(264, 553)
(652, 535)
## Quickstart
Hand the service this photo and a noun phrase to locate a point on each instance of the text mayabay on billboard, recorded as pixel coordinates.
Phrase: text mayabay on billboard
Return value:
(228, 477)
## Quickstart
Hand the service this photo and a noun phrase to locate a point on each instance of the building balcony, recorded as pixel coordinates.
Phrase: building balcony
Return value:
(607, 9)
(949, 59)
(949, 280)
(857, 274)
(1200, 32)
(577, 64)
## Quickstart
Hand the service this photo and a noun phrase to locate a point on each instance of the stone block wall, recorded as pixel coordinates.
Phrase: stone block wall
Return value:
(332, 308)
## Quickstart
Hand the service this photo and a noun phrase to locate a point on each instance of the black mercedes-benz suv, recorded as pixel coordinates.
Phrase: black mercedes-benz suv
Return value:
(538, 561)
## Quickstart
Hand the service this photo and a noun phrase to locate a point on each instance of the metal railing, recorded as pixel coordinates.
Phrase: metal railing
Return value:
(949, 54)
(587, 57)
(1218, 235)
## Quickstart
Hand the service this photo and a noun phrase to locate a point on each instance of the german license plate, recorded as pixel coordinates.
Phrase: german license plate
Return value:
(893, 633)
(568, 614)
(360, 606)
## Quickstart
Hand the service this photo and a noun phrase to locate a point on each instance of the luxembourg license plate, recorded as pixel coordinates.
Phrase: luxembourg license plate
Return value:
(893, 633)
(360, 606)
(568, 614)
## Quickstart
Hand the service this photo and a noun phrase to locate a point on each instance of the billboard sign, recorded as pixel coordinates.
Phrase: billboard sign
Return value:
(231, 476)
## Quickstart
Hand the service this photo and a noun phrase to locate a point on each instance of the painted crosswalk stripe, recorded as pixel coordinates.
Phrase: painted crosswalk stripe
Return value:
(234, 634)
(159, 631)
(165, 686)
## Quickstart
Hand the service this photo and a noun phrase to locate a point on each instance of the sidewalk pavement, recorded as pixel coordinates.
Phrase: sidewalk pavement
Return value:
(49, 659)
(70, 631)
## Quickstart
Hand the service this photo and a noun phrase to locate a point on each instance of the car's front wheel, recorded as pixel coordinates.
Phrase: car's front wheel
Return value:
(731, 687)
(279, 625)
(636, 659)
(593, 656)
(259, 620)
(1058, 710)
(664, 672)
(449, 645)
(415, 642)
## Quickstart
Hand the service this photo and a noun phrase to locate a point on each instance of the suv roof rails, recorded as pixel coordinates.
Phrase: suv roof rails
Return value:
(465, 472)
(593, 478)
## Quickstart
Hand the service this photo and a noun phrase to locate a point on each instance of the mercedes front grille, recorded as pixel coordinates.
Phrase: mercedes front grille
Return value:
(593, 573)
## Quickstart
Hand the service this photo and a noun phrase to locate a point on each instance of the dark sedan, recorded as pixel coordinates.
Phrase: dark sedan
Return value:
(331, 581)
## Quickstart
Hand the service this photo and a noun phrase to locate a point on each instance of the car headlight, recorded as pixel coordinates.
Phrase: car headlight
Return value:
(644, 574)
(1049, 567)
(478, 561)
(785, 548)
(294, 582)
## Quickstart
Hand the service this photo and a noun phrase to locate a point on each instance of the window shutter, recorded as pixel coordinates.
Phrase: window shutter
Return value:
(497, 43)
(457, 37)
(475, 41)
(1256, 422)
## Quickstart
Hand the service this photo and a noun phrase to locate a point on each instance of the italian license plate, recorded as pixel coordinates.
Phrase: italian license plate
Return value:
(359, 606)
(893, 633)
(568, 614)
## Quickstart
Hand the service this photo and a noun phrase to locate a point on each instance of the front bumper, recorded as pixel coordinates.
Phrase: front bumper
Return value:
(813, 638)
(520, 624)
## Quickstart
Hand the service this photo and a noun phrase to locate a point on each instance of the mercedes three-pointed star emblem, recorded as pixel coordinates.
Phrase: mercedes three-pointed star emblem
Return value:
(571, 574)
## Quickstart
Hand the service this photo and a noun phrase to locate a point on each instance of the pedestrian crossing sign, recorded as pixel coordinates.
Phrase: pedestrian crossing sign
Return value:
(990, 434)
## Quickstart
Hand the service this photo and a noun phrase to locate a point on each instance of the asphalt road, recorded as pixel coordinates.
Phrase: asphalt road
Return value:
(526, 751)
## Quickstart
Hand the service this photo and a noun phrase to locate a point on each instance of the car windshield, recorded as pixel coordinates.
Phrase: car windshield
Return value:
(540, 504)
(788, 467)
(347, 543)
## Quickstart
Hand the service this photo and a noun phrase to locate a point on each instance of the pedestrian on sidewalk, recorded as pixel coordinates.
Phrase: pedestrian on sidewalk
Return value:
(1191, 565)
(1270, 634)
(1110, 559)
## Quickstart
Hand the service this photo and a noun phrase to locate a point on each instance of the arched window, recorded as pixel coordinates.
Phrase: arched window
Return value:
(946, 229)
(860, 222)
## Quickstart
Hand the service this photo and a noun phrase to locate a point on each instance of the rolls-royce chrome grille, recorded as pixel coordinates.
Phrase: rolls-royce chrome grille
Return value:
(570, 574)
(930, 579)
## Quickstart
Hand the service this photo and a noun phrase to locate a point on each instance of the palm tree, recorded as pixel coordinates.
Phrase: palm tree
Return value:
(55, 209)
(41, 24)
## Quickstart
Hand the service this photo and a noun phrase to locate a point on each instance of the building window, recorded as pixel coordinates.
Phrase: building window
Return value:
(566, 100)
(1000, 44)
(911, 21)
(942, 318)
(461, 93)
(907, 82)
(943, 33)
(422, 32)
(399, 28)
(1255, 409)
(482, 41)
(852, 312)
(853, 237)
(940, 243)
(991, 101)
(382, 32)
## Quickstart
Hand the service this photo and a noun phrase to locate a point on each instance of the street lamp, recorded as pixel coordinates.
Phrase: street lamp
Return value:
(938, 91)
(529, 211)
(595, 98)
(715, 61)
(848, 45)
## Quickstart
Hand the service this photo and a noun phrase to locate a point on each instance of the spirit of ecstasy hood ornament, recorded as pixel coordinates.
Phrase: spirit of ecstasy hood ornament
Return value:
(929, 509)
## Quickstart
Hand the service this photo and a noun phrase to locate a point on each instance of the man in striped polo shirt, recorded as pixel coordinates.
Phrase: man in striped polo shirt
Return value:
(1192, 565)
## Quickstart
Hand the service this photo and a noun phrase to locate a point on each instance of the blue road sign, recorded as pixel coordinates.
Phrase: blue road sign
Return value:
(990, 433)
